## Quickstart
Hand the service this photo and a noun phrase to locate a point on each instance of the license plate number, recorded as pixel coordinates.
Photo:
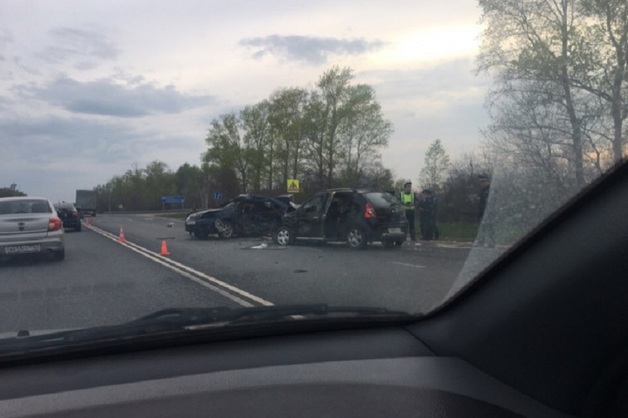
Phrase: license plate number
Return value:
(394, 230)
(22, 249)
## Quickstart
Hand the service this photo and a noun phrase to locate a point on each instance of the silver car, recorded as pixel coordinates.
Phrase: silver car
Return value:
(30, 225)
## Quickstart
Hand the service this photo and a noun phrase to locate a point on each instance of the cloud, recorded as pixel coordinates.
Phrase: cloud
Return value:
(109, 98)
(453, 78)
(45, 140)
(51, 156)
(5, 39)
(311, 50)
(443, 100)
(80, 46)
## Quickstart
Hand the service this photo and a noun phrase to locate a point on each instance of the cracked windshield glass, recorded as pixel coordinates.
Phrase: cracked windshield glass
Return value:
(343, 154)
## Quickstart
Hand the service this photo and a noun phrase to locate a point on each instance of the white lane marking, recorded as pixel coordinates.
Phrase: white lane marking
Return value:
(195, 275)
(416, 266)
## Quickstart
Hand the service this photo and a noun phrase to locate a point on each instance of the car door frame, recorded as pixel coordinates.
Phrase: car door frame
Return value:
(313, 219)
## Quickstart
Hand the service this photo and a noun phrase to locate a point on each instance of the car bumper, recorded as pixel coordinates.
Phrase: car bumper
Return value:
(50, 244)
(71, 223)
(389, 232)
(204, 226)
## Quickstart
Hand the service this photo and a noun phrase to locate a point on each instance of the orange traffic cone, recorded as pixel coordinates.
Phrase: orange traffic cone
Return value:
(164, 248)
(121, 238)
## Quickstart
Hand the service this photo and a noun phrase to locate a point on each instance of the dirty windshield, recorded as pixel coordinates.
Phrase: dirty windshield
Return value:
(382, 154)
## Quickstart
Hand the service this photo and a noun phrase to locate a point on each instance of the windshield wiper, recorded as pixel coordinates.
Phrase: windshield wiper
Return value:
(190, 317)
(189, 320)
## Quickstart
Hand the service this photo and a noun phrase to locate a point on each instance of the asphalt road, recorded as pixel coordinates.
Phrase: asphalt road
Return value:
(103, 281)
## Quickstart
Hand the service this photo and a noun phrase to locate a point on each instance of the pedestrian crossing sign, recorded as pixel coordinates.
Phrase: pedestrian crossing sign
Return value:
(293, 186)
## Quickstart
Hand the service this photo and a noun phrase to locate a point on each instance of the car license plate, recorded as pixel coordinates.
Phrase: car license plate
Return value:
(394, 230)
(22, 249)
(190, 223)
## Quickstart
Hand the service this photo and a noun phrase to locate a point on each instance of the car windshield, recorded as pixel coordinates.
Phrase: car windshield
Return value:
(428, 140)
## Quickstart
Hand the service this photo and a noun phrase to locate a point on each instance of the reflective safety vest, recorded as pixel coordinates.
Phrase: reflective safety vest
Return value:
(407, 200)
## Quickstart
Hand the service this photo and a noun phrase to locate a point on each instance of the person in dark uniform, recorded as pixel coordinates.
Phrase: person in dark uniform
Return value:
(427, 214)
(408, 201)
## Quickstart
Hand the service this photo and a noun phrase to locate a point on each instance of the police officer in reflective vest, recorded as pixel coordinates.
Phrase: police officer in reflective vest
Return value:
(408, 201)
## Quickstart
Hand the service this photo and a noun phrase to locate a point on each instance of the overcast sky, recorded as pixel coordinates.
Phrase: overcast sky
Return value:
(90, 88)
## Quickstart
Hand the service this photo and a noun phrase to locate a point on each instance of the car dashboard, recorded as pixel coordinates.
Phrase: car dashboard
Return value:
(366, 373)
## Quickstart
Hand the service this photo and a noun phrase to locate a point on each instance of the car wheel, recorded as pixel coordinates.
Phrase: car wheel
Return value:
(356, 238)
(78, 228)
(284, 236)
(59, 255)
(225, 229)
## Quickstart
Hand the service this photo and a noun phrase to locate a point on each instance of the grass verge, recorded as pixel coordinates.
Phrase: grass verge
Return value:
(462, 232)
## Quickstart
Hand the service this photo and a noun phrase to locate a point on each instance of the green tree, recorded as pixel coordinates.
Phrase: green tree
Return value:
(229, 149)
(330, 135)
(258, 137)
(435, 167)
(11, 191)
(159, 181)
(363, 132)
(287, 111)
(189, 181)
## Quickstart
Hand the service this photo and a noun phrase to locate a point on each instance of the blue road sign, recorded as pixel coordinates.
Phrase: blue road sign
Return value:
(172, 199)
(217, 196)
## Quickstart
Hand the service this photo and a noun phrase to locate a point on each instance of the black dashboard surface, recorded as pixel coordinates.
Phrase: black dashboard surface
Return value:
(377, 372)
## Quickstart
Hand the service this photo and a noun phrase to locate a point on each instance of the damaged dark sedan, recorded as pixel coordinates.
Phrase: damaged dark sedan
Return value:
(355, 216)
(245, 216)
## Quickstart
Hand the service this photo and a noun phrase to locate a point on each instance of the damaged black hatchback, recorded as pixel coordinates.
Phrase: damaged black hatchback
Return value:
(355, 216)
(247, 215)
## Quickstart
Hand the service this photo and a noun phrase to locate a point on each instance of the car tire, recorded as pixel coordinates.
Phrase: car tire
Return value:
(227, 230)
(79, 228)
(284, 236)
(356, 238)
(59, 255)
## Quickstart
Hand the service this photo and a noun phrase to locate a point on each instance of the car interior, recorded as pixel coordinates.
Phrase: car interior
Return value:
(337, 211)
(543, 332)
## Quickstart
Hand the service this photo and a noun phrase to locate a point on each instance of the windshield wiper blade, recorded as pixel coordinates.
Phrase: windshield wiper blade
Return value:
(200, 316)
(171, 320)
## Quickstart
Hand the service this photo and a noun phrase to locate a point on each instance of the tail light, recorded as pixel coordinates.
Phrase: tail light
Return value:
(369, 212)
(54, 224)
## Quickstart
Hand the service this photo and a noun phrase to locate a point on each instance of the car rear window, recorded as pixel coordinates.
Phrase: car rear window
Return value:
(381, 200)
(24, 206)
